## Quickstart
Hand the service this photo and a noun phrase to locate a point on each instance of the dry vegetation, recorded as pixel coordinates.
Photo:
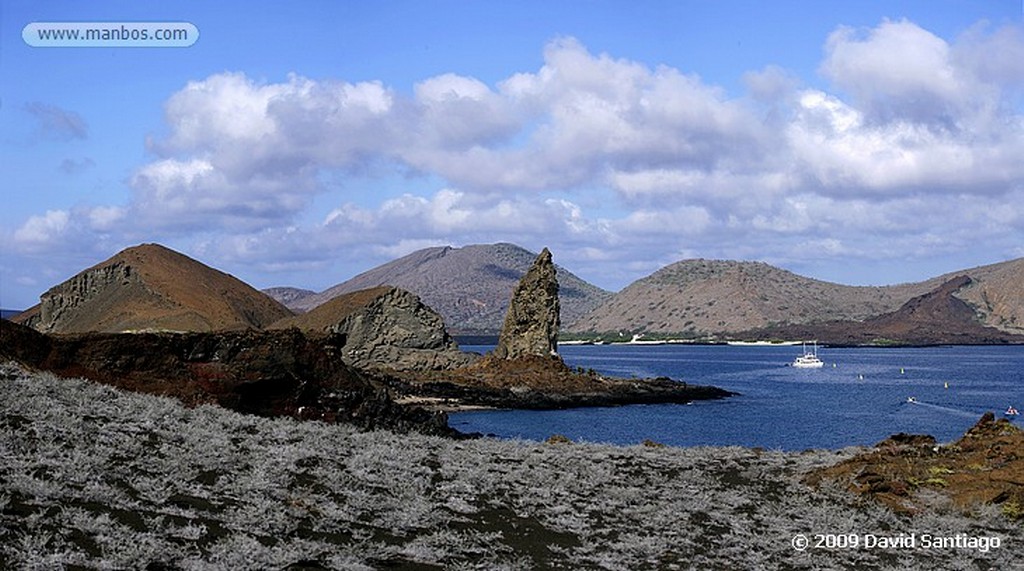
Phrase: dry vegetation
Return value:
(715, 296)
(92, 477)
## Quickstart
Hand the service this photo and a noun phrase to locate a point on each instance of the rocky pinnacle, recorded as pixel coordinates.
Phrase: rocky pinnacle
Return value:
(532, 322)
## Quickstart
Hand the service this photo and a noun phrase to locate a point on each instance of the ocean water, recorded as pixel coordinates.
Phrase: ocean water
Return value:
(859, 398)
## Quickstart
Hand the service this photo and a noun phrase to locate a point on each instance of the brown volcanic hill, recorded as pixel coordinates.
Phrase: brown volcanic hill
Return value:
(714, 296)
(996, 293)
(469, 286)
(936, 317)
(150, 287)
(321, 318)
(704, 297)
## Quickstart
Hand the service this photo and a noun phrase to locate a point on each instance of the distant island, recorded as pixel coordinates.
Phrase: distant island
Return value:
(705, 301)
(691, 300)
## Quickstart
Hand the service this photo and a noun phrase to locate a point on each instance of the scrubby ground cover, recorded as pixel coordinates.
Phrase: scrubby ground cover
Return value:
(93, 477)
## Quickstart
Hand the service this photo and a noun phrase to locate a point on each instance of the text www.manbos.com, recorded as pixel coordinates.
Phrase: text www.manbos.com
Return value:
(110, 34)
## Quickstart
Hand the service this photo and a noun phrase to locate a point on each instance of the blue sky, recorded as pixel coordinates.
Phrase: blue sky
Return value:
(300, 143)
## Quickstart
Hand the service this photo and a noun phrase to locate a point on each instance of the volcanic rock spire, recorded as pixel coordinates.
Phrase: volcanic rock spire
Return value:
(532, 322)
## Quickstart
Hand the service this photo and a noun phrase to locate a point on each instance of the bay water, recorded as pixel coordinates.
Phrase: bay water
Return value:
(859, 397)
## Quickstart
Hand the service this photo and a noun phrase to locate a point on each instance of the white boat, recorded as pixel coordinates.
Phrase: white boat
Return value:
(809, 360)
(1011, 412)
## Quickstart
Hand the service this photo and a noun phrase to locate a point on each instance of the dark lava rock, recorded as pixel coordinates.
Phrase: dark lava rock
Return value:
(539, 383)
(270, 373)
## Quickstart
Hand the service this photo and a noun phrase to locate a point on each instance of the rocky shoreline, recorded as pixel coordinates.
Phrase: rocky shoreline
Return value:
(453, 397)
(536, 383)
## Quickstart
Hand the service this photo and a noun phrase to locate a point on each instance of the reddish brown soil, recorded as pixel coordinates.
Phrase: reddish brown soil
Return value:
(986, 466)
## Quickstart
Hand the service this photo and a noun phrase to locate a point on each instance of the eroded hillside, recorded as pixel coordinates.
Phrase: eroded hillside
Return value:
(705, 297)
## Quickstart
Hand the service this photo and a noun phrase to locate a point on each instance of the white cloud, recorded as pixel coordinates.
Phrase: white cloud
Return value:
(456, 216)
(585, 120)
(223, 109)
(80, 229)
(106, 218)
(896, 70)
(40, 231)
(596, 115)
(992, 57)
(838, 149)
(590, 153)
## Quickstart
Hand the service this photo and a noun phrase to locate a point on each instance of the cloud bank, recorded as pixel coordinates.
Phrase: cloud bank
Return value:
(912, 151)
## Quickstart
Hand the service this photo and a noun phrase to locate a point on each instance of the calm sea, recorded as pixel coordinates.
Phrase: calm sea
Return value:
(859, 398)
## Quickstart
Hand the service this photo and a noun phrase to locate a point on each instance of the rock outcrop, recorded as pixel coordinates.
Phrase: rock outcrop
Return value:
(906, 472)
(268, 373)
(525, 370)
(151, 288)
(540, 383)
(533, 320)
(383, 328)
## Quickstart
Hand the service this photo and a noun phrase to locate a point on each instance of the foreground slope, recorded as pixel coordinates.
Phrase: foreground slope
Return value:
(102, 479)
(468, 286)
(151, 287)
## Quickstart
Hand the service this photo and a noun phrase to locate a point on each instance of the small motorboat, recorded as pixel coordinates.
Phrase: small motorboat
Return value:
(911, 400)
(809, 360)
(1011, 412)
